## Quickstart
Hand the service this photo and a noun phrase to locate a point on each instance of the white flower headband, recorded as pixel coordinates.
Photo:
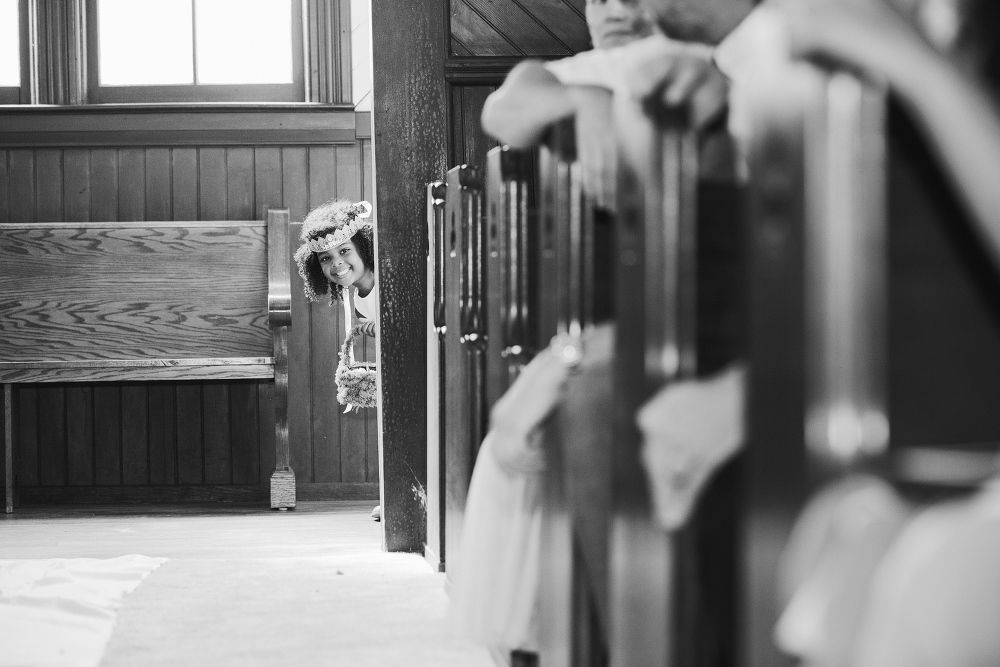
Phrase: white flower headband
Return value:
(359, 220)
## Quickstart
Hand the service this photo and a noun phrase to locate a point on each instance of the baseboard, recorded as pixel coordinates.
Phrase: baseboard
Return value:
(433, 559)
(190, 493)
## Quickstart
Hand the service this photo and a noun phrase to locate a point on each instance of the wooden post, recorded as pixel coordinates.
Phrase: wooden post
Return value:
(279, 307)
(410, 42)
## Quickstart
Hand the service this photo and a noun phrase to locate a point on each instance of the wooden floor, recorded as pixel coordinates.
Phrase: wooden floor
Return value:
(251, 586)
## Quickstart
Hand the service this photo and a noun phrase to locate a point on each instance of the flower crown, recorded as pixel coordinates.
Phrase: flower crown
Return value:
(357, 219)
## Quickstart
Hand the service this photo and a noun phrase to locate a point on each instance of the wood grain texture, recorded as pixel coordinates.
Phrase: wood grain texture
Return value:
(142, 125)
(85, 373)
(114, 291)
(410, 45)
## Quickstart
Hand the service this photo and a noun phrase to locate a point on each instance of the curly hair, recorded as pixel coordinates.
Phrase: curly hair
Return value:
(322, 220)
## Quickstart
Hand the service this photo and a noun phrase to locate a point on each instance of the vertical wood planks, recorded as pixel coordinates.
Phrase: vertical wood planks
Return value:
(212, 205)
(353, 443)
(184, 183)
(295, 186)
(106, 421)
(366, 174)
(162, 408)
(52, 455)
(4, 187)
(326, 325)
(161, 403)
(267, 194)
(132, 187)
(242, 408)
(135, 440)
(107, 435)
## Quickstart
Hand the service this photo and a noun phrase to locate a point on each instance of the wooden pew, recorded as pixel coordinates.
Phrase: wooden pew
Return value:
(464, 338)
(573, 576)
(434, 547)
(817, 401)
(511, 337)
(146, 301)
(653, 616)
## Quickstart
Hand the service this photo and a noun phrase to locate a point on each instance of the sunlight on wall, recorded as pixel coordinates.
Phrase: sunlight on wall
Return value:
(361, 54)
(10, 60)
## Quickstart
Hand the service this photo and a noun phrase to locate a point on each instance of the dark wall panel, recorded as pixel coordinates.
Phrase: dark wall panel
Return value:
(518, 28)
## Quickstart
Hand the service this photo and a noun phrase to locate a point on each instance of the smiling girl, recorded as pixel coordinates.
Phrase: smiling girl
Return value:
(338, 254)
(337, 257)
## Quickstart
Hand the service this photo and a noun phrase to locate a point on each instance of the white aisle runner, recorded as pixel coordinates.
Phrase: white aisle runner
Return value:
(59, 612)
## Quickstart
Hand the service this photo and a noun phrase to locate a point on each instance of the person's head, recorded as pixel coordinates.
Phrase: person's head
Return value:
(617, 22)
(706, 21)
(337, 249)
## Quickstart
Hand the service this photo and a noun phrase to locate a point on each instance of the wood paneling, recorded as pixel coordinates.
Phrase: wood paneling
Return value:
(185, 125)
(141, 437)
(518, 27)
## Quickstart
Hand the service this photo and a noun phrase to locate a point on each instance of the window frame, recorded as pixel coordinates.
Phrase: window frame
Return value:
(194, 92)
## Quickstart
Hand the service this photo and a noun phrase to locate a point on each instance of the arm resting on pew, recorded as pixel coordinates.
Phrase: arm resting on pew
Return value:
(531, 99)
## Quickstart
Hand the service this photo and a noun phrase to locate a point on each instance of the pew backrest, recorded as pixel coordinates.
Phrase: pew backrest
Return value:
(128, 301)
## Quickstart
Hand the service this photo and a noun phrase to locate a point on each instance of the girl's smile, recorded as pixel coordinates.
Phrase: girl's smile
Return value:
(343, 265)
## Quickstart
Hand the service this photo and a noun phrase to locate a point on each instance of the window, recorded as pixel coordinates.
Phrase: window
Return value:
(195, 51)
(10, 51)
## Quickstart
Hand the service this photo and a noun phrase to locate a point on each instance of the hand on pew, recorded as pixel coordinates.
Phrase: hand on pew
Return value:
(675, 74)
(368, 327)
(595, 143)
(689, 429)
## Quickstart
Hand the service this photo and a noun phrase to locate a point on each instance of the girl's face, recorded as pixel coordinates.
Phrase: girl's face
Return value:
(343, 265)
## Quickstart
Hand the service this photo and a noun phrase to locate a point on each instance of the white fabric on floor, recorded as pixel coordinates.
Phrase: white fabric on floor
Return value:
(59, 612)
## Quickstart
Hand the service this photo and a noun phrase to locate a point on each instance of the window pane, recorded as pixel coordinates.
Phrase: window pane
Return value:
(361, 54)
(10, 44)
(145, 42)
(244, 41)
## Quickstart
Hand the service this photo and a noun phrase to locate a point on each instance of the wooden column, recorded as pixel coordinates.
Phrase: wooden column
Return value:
(409, 49)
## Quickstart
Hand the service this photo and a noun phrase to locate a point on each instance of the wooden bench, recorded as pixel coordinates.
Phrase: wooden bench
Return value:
(146, 301)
